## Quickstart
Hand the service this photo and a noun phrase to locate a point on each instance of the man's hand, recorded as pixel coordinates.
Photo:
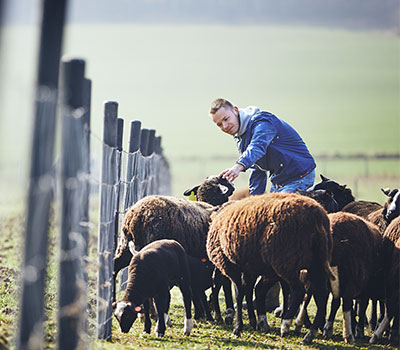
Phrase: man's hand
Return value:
(232, 173)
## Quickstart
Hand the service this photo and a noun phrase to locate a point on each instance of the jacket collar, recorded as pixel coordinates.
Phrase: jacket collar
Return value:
(245, 115)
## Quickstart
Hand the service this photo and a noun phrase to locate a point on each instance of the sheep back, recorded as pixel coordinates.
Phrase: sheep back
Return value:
(163, 217)
(362, 208)
(378, 219)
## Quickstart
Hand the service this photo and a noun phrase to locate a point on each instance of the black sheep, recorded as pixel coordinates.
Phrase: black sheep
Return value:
(152, 272)
(341, 193)
(392, 283)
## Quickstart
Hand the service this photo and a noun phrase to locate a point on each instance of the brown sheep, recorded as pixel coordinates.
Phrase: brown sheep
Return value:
(273, 235)
(357, 254)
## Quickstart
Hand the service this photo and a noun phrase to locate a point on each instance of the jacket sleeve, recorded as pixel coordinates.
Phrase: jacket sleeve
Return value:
(257, 181)
(262, 134)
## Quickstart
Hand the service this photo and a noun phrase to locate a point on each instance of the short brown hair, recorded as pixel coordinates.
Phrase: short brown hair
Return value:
(219, 103)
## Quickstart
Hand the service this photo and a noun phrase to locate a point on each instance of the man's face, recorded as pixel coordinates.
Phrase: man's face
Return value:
(227, 120)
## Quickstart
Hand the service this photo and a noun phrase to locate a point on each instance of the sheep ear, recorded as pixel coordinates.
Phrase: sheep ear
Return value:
(323, 178)
(189, 191)
(386, 191)
(224, 189)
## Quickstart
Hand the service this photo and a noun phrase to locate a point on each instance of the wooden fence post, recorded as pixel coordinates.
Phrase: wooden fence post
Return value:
(151, 142)
(144, 141)
(72, 290)
(40, 192)
(157, 146)
(109, 185)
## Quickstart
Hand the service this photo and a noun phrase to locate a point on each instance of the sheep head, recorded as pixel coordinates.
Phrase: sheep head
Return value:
(391, 209)
(126, 314)
(214, 190)
(323, 197)
(341, 194)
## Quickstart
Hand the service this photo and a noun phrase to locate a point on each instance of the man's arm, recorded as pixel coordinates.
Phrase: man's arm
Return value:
(263, 133)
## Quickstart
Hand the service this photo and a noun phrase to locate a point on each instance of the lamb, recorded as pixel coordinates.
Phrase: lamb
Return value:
(201, 271)
(152, 272)
(357, 254)
(273, 235)
(392, 282)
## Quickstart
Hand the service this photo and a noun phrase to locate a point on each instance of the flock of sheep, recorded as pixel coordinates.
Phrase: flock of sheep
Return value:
(313, 243)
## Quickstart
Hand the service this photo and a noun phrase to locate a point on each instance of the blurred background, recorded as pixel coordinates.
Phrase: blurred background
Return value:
(331, 68)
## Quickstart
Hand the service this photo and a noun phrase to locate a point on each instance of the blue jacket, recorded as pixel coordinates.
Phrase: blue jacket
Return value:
(267, 143)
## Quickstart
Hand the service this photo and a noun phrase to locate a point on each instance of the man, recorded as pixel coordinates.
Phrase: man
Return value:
(266, 143)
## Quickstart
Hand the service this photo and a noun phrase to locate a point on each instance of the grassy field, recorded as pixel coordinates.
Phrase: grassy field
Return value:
(205, 335)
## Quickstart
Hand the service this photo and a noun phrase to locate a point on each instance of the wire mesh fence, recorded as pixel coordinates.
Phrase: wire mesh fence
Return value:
(70, 185)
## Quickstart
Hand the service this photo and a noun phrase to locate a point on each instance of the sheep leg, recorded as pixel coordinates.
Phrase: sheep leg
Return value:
(239, 290)
(347, 306)
(328, 327)
(236, 277)
(380, 329)
(217, 284)
(147, 320)
(204, 303)
(394, 332)
(230, 309)
(302, 317)
(261, 291)
(373, 314)
(249, 282)
(184, 286)
(362, 307)
(161, 300)
(198, 307)
(279, 311)
(297, 293)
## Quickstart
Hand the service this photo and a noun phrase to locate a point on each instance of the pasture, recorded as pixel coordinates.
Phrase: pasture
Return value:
(338, 88)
